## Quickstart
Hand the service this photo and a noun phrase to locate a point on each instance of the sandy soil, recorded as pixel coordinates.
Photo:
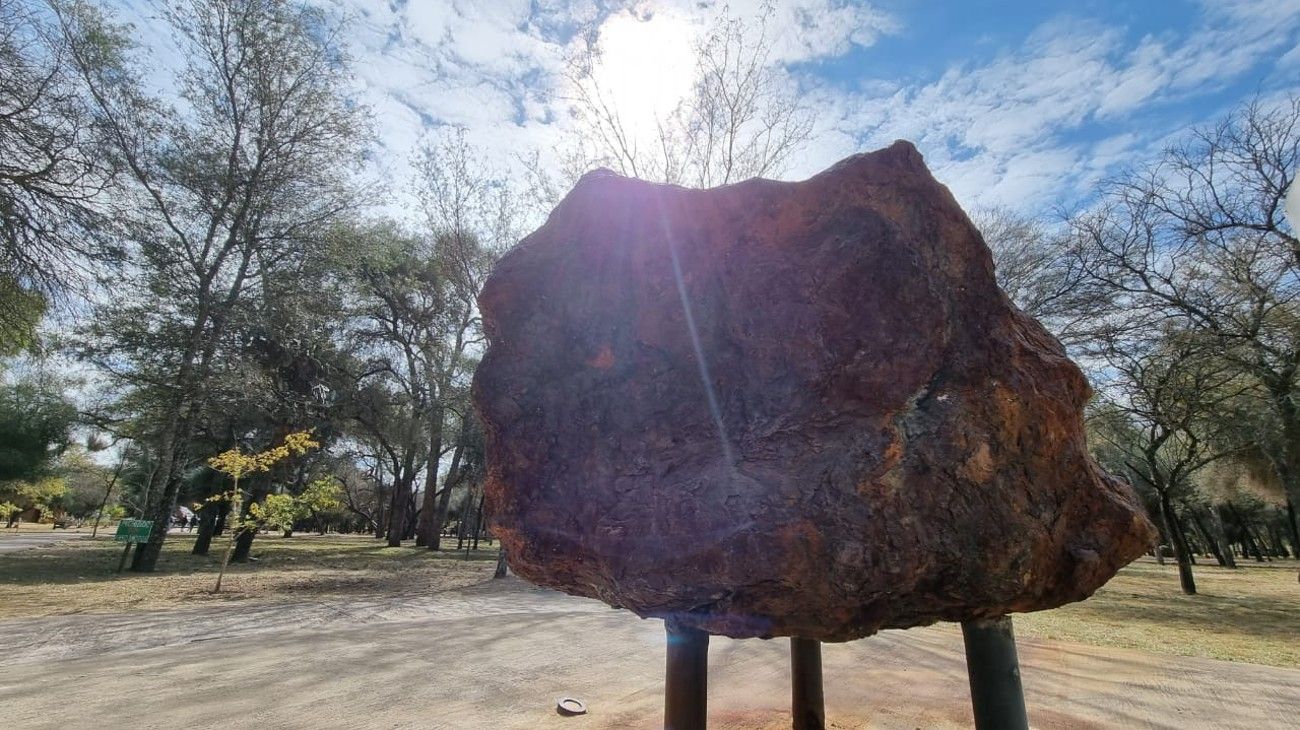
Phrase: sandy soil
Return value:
(498, 654)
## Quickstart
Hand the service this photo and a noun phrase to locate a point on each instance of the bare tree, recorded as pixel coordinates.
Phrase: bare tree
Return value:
(418, 328)
(470, 214)
(1163, 394)
(52, 174)
(1198, 237)
(742, 118)
(1034, 268)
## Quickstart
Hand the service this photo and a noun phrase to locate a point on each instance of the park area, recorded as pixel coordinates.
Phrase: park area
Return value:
(809, 364)
(340, 631)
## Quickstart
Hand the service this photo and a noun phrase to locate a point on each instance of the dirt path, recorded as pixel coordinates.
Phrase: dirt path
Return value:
(15, 540)
(497, 656)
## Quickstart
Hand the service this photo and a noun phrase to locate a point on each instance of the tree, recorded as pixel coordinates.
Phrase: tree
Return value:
(7, 512)
(84, 480)
(322, 498)
(742, 118)
(53, 176)
(1198, 237)
(21, 311)
(44, 495)
(236, 464)
(36, 422)
(236, 180)
(276, 511)
(469, 214)
(284, 511)
(1161, 415)
(399, 293)
(1034, 268)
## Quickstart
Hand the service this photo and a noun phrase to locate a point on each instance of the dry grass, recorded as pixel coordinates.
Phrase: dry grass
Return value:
(79, 577)
(1251, 614)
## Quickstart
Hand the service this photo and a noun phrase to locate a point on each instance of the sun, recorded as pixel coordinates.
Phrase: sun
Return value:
(645, 67)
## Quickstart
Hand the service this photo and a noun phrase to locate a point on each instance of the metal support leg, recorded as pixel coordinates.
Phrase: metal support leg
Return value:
(995, 691)
(806, 700)
(686, 680)
(122, 561)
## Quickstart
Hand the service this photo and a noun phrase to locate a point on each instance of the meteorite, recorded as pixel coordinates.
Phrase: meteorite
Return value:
(777, 408)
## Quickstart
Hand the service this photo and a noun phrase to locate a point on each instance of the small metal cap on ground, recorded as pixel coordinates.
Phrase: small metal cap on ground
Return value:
(570, 706)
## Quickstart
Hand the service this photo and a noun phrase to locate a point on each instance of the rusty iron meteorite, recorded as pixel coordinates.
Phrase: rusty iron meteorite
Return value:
(775, 409)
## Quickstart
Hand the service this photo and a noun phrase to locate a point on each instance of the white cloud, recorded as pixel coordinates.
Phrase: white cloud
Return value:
(1005, 132)
(1030, 126)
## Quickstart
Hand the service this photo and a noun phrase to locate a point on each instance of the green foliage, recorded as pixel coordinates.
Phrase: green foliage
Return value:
(322, 495)
(282, 511)
(86, 482)
(277, 511)
(46, 495)
(7, 510)
(20, 312)
(35, 426)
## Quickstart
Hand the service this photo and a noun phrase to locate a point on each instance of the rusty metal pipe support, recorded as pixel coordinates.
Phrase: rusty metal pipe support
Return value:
(995, 690)
(686, 679)
(807, 702)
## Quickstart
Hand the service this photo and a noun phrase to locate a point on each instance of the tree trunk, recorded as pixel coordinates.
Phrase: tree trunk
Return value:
(1247, 535)
(207, 525)
(1181, 551)
(1163, 529)
(244, 545)
(397, 512)
(1216, 521)
(464, 520)
(426, 531)
(161, 493)
(444, 498)
(237, 497)
(1293, 532)
(1279, 544)
(223, 512)
(244, 541)
(104, 502)
(478, 521)
(1249, 539)
(501, 563)
(1210, 539)
(1288, 468)
(165, 480)
(409, 527)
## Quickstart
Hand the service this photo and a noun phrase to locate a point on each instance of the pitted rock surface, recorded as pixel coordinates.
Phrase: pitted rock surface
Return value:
(787, 409)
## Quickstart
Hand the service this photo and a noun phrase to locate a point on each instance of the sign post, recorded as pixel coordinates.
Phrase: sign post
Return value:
(131, 532)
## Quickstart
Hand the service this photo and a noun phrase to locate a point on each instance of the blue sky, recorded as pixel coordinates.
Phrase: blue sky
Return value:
(1024, 104)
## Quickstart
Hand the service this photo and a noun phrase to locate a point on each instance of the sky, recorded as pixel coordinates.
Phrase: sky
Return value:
(1016, 103)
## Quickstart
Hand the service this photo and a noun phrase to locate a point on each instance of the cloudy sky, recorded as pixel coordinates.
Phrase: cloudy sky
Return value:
(1015, 103)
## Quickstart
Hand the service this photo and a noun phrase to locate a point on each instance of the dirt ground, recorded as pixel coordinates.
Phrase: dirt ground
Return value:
(498, 654)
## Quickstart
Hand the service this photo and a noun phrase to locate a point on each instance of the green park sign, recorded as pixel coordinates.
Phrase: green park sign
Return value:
(129, 531)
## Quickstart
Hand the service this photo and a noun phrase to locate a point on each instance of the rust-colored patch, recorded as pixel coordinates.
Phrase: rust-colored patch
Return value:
(604, 360)
(978, 467)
